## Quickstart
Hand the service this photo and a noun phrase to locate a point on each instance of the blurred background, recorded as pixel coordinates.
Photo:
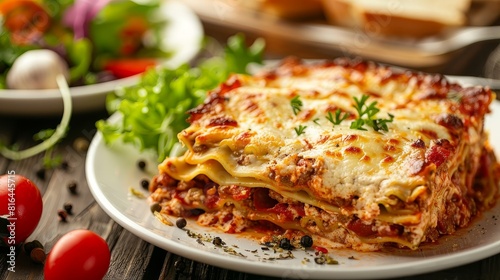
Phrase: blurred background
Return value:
(93, 42)
(458, 37)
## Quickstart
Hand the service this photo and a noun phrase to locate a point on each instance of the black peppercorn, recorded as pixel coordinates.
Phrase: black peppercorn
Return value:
(306, 241)
(218, 241)
(145, 184)
(285, 244)
(68, 207)
(72, 187)
(34, 249)
(40, 173)
(181, 222)
(64, 165)
(141, 164)
(196, 212)
(29, 246)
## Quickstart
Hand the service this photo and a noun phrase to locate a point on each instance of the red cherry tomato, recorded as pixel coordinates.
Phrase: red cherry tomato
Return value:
(21, 205)
(126, 67)
(79, 254)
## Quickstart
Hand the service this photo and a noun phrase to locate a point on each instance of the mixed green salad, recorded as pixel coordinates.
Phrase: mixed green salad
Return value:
(154, 111)
(96, 40)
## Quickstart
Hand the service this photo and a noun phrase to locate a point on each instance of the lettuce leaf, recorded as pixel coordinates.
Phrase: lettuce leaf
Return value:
(153, 112)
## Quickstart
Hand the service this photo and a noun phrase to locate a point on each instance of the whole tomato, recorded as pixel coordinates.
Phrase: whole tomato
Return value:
(79, 254)
(21, 207)
(26, 20)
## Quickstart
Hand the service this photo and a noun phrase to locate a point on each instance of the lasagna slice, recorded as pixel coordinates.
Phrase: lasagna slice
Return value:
(346, 151)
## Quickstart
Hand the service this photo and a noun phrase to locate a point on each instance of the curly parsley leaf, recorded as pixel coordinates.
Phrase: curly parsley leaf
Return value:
(366, 115)
(239, 56)
(154, 111)
(338, 118)
(381, 124)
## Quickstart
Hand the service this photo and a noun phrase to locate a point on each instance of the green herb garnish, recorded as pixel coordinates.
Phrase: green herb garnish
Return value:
(296, 104)
(455, 96)
(154, 111)
(338, 118)
(366, 115)
(300, 130)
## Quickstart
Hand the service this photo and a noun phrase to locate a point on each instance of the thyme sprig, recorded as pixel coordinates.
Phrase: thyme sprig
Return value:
(338, 118)
(296, 104)
(300, 130)
(366, 115)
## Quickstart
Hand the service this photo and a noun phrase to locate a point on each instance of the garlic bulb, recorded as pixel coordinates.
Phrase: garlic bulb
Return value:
(37, 69)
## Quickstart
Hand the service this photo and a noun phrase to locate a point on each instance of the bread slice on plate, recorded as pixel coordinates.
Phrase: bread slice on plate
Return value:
(406, 18)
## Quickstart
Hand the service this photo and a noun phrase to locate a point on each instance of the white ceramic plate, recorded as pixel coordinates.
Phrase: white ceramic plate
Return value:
(112, 170)
(183, 35)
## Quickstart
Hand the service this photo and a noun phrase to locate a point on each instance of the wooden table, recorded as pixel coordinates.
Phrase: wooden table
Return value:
(131, 257)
